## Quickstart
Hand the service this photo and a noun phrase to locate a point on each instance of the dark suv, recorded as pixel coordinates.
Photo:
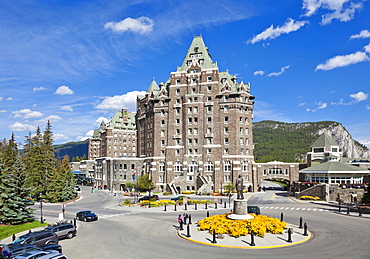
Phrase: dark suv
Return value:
(62, 229)
(40, 238)
(86, 215)
(148, 198)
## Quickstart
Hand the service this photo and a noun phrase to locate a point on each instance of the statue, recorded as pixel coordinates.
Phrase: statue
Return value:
(239, 188)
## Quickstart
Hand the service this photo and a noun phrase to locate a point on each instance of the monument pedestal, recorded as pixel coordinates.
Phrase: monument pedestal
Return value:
(240, 211)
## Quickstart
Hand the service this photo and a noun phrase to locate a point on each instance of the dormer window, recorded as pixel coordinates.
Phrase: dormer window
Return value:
(178, 81)
(196, 49)
(209, 78)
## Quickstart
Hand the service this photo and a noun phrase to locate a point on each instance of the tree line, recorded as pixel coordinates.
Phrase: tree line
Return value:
(34, 173)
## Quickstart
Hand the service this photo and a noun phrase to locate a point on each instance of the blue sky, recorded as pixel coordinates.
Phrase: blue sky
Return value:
(76, 62)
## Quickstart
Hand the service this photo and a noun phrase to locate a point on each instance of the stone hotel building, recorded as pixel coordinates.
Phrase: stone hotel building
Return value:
(194, 131)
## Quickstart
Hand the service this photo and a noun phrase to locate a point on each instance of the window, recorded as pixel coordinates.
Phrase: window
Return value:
(209, 119)
(209, 151)
(209, 108)
(193, 80)
(190, 131)
(195, 120)
(209, 99)
(209, 78)
(195, 109)
(161, 167)
(241, 130)
(178, 81)
(226, 151)
(177, 131)
(226, 108)
(124, 166)
(190, 151)
(227, 166)
(190, 109)
(226, 119)
(190, 141)
(193, 91)
(226, 141)
(177, 121)
(318, 150)
(177, 101)
(195, 131)
(208, 166)
(162, 133)
(190, 120)
(246, 141)
(275, 171)
(241, 151)
(334, 149)
(241, 119)
(209, 141)
(195, 141)
(177, 167)
(162, 123)
(162, 143)
(193, 167)
(226, 98)
(226, 130)
(162, 152)
(177, 152)
(177, 91)
(246, 120)
(241, 141)
(245, 166)
(190, 99)
(209, 88)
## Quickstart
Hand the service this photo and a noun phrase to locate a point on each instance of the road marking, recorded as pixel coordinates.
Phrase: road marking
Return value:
(272, 197)
(117, 215)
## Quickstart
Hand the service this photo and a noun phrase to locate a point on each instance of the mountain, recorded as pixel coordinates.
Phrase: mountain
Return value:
(273, 140)
(72, 149)
(289, 142)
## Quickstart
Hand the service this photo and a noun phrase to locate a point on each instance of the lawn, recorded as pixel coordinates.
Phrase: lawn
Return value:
(281, 183)
(7, 231)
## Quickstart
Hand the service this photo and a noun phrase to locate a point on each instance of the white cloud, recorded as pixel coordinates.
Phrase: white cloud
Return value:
(9, 99)
(259, 73)
(1, 111)
(343, 10)
(362, 35)
(301, 104)
(63, 90)
(58, 136)
(141, 25)
(89, 133)
(100, 119)
(1, 98)
(41, 88)
(367, 48)
(367, 107)
(66, 108)
(321, 105)
(27, 114)
(282, 70)
(272, 33)
(360, 96)
(342, 61)
(51, 118)
(21, 127)
(118, 102)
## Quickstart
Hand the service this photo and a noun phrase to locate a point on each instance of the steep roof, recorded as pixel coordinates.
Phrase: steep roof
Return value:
(153, 87)
(334, 167)
(324, 140)
(197, 52)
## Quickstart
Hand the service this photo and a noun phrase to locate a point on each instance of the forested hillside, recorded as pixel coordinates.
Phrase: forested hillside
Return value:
(72, 149)
(289, 142)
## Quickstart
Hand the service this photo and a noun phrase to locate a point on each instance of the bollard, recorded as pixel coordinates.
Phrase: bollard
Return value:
(300, 222)
(13, 237)
(190, 219)
(252, 239)
(214, 237)
(175, 208)
(305, 229)
(220, 201)
(186, 206)
(216, 205)
(348, 210)
(181, 228)
(206, 206)
(359, 212)
(290, 235)
(282, 217)
(207, 213)
(339, 209)
(225, 205)
(29, 231)
(149, 204)
(195, 206)
(75, 222)
(165, 207)
(188, 231)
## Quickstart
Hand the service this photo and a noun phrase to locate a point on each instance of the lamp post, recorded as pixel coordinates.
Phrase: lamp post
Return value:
(41, 219)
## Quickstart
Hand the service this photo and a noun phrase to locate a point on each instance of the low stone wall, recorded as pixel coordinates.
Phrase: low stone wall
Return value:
(319, 190)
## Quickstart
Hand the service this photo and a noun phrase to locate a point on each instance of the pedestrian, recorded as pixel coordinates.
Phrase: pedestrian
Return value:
(185, 217)
(179, 220)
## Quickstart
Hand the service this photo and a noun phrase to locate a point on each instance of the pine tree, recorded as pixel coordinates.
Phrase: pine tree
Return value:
(10, 152)
(68, 192)
(13, 209)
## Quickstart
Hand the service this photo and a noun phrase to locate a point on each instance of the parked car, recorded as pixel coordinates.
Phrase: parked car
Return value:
(54, 256)
(40, 238)
(254, 209)
(181, 197)
(148, 198)
(9, 251)
(62, 229)
(38, 254)
(86, 215)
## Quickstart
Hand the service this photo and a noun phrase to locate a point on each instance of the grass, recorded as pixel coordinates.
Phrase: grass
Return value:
(7, 231)
(281, 183)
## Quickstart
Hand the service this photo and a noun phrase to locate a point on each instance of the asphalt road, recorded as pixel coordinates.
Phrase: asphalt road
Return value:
(123, 234)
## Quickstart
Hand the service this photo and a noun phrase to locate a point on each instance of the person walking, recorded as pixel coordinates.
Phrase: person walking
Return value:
(185, 217)
(179, 220)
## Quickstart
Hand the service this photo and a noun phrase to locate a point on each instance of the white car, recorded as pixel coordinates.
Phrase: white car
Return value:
(41, 255)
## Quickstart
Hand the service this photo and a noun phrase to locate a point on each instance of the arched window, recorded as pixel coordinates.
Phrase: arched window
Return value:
(193, 167)
(208, 166)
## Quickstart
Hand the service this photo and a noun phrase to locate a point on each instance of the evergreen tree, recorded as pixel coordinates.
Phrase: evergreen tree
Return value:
(13, 209)
(10, 152)
(68, 191)
(48, 148)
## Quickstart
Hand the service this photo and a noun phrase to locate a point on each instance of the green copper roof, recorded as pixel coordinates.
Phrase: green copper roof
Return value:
(153, 87)
(118, 122)
(198, 52)
(334, 166)
(324, 140)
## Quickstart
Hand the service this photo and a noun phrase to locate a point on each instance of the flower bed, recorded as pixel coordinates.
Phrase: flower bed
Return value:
(188, 192)
(259, 225)
(309, 198)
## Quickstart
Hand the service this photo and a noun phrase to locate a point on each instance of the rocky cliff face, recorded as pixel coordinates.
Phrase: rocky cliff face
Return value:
(350, 147)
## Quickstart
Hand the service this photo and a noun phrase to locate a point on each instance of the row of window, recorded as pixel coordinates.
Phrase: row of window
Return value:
(208, 150)
(208, 166)
(276, 171)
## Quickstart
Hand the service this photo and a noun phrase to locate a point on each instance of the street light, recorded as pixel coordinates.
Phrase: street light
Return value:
(42, 219)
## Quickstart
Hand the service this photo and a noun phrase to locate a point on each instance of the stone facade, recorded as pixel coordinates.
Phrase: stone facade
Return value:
(195, 130)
